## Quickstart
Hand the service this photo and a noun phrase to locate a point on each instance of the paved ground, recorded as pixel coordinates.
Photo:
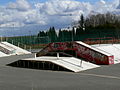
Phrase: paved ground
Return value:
(11, 78)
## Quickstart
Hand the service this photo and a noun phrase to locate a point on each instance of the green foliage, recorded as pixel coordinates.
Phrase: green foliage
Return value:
(52, 34)
(81, 22)
(96, 26)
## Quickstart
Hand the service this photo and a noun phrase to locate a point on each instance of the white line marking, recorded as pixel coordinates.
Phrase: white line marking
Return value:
(103, 76)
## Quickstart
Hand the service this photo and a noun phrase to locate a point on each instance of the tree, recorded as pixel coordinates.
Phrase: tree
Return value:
(52, 34)
(81, 22)
(41, 37)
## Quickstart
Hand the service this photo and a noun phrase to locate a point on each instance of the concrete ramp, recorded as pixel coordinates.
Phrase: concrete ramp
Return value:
(113, 49)
(14, 49)
(3, 54)
(70, 63)
(7, 49)
(80, 50)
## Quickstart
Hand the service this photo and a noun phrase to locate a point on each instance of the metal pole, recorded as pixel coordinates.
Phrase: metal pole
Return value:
(35, 55)
(81, 63)
(58, 68)
(49, 65)
(38, 64)
(24, 46)
(18, 44)
(24, 64)
(58, 56)
(30, 49)
(33, 64)
(17, 63)
(12, 41)
(53, 67)
(28, 64)
(72, 34)
(43, 64)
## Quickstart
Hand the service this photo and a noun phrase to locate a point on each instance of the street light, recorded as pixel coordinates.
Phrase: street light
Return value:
(74, 28)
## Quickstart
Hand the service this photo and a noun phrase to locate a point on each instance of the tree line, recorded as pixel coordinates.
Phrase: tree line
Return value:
(94, 26)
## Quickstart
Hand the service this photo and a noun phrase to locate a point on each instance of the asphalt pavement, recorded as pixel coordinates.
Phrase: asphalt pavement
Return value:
(106, 77)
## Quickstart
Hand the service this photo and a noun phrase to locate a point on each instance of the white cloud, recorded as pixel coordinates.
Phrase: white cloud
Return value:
(100, 6)
(12, 24)
(19, 5)
(48, 13)
(51, 13)
(63, 11)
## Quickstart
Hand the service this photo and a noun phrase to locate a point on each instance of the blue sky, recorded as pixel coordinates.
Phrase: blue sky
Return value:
(3, 2)
(21, 15)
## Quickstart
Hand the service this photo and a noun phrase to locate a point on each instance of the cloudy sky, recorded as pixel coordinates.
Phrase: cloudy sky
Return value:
(2, 2)
(30, 16)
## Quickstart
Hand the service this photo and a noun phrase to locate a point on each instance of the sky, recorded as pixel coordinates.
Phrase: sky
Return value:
(3, 2)
(18, 16)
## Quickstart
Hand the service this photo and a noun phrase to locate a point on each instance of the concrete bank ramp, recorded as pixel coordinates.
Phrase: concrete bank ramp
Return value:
(113, 49)
(7, 49)
(3, 54)
(70, 63)
(12, 49)
(81, 50)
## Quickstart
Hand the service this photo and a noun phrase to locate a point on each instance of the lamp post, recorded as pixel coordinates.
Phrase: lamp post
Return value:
(73, 31)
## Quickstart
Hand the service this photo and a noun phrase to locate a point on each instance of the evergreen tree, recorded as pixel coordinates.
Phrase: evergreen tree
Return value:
(41, 37)
(52, 34)
(81, 22)
(73, 34)
(60, 36)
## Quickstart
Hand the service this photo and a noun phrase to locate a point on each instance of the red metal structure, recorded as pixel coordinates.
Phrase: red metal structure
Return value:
(81, 50)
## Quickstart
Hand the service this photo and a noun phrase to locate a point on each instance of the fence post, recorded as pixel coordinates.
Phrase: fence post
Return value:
(12, 41)
(24, 46)
(18, 44)
(30, 49)
(81, 63)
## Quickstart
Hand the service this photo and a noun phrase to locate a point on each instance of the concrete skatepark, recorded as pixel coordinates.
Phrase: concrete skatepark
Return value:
(106, 77)
(15, 78)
